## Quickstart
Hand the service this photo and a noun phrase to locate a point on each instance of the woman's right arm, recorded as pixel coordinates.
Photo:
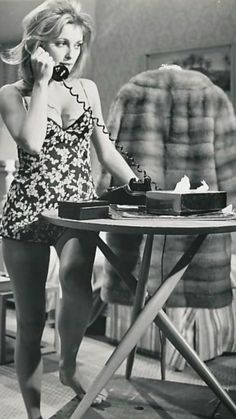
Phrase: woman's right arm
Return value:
(28, 128)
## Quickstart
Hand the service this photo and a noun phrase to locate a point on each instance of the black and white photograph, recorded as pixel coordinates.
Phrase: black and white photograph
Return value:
(117, 209)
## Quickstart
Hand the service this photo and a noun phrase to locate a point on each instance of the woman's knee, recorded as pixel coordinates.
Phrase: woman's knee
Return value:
(30, 331)
(76, 262)
(75, 274)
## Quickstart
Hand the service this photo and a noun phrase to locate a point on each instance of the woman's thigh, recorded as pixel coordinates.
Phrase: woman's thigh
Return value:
(27, 266)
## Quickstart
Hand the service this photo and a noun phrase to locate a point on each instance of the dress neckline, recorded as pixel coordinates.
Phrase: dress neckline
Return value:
(70, 125)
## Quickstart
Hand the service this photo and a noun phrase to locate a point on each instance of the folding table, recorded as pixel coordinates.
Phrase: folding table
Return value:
(152, 310)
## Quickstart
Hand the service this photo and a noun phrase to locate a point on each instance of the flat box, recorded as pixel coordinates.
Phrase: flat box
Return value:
(173, 203)
(83, 210)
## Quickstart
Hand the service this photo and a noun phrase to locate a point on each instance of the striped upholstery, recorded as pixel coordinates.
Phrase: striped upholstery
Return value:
(211, 332)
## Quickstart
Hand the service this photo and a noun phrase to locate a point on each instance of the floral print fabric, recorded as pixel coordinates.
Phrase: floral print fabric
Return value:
(60, 172)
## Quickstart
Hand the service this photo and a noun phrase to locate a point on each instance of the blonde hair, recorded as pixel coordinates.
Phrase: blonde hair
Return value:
(45, 23)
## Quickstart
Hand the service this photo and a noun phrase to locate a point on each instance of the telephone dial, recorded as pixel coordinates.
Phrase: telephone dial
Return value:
(60, 72)
(133, 193)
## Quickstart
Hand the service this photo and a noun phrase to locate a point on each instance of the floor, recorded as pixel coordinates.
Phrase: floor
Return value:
(181, 396)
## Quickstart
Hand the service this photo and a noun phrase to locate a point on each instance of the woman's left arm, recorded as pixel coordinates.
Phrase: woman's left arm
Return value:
(108, 156)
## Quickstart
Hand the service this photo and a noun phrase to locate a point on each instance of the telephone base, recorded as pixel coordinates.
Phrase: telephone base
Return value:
(133, 193)
(123, 195)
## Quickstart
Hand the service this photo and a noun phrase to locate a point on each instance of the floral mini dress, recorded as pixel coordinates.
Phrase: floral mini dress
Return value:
(60, 172)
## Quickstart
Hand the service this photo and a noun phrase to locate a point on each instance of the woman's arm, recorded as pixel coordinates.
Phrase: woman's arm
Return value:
(28, 128)
(108, 156)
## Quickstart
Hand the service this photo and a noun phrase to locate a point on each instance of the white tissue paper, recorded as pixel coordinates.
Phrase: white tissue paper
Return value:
(183, 186)
(204, 187)
(228, 210)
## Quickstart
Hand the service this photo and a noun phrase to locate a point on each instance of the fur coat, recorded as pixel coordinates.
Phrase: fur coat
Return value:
(176, 122)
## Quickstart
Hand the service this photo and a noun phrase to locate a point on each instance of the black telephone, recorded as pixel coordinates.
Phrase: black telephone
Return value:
(133, 193)
(60, 72)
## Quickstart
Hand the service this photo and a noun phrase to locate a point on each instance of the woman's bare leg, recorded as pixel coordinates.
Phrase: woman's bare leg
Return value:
(27, 266)
(76, 251)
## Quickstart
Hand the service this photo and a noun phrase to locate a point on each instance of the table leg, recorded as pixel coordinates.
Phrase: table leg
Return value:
(97, 308)
(163, 322)
(169, 330)
(140, 294)
(145, 318)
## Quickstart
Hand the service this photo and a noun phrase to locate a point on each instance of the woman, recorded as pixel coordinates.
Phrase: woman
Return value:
(52, 132)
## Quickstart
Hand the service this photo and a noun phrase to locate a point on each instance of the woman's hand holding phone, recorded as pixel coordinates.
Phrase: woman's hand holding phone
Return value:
(42, 65)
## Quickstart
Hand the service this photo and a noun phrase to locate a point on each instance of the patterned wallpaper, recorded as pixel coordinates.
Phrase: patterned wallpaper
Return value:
(128, 29)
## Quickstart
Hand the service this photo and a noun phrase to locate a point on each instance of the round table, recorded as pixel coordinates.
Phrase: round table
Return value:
(177, 225)
(152, 309)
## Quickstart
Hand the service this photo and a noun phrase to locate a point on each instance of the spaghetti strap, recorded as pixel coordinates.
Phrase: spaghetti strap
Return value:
(85, 93)
(25, 103)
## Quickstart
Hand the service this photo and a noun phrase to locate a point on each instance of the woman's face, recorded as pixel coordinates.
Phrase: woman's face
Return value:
(67, 47)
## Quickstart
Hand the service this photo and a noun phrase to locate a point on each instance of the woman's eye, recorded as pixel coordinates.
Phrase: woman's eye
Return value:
(79, 45)
(65, 43)
(60, 44)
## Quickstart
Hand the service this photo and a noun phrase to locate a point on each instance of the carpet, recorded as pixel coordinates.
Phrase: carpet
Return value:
(145, 396)
(153, 399)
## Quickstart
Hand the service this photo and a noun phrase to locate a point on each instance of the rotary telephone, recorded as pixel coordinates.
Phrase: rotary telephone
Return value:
(133, 193)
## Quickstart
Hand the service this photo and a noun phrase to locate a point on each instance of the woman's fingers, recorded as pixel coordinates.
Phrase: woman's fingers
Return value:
(42, 64)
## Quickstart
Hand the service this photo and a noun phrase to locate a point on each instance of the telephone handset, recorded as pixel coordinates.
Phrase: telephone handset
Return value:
(135, 191)
(60, 72)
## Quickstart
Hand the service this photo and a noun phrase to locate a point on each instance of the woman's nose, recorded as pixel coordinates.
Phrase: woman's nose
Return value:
(68, 53)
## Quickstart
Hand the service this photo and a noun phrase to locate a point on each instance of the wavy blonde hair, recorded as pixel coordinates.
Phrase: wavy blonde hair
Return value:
(45, 23)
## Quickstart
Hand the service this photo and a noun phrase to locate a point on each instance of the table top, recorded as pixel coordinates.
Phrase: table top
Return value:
(153, 225)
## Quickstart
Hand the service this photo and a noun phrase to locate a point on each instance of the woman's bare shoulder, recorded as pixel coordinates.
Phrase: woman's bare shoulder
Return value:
(11, 94)
(13, 89)
(91, 90)
(7, 93)
(7, 88)
(88, 87)
(89, 84)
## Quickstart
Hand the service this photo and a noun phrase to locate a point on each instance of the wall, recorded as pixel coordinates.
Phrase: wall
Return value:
(12, 12)
(128, 29)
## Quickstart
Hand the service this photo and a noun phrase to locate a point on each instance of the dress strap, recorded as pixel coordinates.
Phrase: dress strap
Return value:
(25, 103)
(85, 93)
